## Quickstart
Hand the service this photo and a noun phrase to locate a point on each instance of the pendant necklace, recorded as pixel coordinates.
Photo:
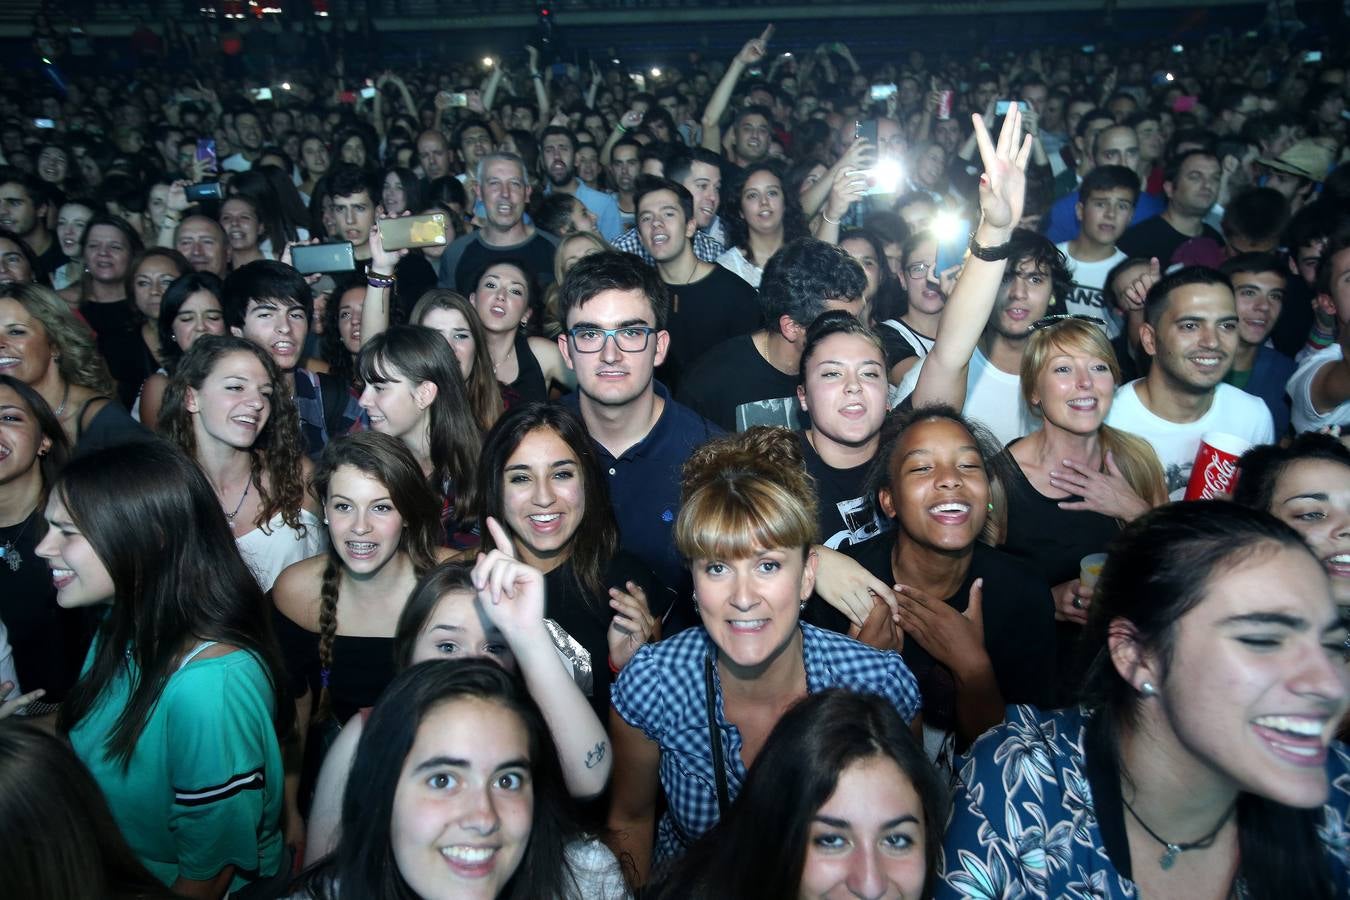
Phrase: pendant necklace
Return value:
(9, 550)
(1173, 850)
(240, 505)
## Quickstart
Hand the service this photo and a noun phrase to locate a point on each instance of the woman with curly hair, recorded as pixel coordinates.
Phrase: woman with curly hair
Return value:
(43, 345)
(759, 216)
(337, 612)
(228, 408)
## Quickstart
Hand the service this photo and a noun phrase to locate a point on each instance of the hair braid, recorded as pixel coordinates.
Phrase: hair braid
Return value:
(328, 600)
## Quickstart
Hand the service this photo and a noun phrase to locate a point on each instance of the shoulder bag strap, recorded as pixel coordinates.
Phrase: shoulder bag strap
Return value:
(715, 737)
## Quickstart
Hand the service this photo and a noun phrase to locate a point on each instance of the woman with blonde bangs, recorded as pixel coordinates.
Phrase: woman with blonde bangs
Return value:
(1074, 482)
(46, 347)
(693, 711)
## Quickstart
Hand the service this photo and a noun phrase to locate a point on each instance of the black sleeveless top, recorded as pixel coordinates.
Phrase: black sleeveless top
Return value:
(529, 384)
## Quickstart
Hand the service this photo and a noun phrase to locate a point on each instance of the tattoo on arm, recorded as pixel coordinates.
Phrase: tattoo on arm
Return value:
(596, 755)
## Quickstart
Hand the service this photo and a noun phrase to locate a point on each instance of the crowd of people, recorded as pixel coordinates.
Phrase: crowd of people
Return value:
(782, 477)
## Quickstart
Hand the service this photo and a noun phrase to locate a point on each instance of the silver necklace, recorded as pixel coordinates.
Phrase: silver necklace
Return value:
(240, 505)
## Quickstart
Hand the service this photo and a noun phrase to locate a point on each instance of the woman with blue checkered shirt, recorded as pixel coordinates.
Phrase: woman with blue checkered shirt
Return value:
(693, 711)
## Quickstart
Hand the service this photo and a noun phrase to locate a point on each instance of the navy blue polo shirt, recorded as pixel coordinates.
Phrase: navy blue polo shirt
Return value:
(644, 485)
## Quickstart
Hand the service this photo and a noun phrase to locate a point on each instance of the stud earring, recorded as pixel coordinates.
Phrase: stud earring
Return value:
(991, 506)
(1148, 690)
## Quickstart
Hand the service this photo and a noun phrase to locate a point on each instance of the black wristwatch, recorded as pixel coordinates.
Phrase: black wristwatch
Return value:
(989, 254)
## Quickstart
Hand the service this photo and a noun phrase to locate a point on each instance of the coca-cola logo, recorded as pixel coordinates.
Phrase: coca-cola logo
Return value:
(1218, 474)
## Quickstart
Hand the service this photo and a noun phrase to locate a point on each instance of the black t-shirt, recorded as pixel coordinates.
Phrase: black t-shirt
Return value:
(49, 642)
(119, 342)
(1019, 632)
(465, 259)
(846, 512)
(51, 260)
(1295, 319)
(703, 314)
(1157, 237)
(735, 387)
(587, 619)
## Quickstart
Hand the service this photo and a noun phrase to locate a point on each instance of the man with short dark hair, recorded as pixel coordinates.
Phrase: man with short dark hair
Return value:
(1259, 281)
(1320, 388)
(270, 304)
(504, 189)
(624, 166)
(473, 141)
(752, 379)
(249, 130)
(1116, 145)
(354, 203)
(23, 210)
(1191, 332)
(1106, 207)
(751, 126)
(1192, 188)
(613, 309)
(699, 172)
(708, 302)
(1303, 328)
(557, 162)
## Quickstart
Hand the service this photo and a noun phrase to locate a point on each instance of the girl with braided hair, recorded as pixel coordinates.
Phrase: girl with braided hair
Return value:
(337, 612)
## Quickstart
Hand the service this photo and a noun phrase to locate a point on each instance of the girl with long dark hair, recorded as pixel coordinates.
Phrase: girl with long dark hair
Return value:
(190, 308)
(509, 305)
(453, 317)
(1201, 761)
(186, 645)
(856, 808)
(540, 479)
(447, 617)
(414, 392)
(45, 790)
(49, 642)
(759, 216)
(456, 791)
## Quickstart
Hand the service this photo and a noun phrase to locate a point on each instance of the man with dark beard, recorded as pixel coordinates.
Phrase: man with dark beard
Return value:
(557, 159)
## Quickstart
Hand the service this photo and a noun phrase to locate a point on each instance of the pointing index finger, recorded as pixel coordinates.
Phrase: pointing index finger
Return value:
(768, 33)
(501, 538)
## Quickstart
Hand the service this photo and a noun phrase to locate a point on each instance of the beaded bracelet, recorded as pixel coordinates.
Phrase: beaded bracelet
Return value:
(379, 280)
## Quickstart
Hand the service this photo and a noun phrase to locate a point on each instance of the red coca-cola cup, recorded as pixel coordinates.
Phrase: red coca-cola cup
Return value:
(1215, 470)
(944, 110)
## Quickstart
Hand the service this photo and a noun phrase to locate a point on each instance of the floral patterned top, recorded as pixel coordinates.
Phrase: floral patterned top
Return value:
(1025, 823)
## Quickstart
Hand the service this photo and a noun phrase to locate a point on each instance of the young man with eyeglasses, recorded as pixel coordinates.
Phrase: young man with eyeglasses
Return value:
(613, 308)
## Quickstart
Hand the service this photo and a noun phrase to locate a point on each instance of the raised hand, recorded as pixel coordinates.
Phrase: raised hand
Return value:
(510, 592)
(1137, 291)
(848, 186)
(631, 119)
(1003, 185)
(382, 260)
(632, 626)
(756, 48)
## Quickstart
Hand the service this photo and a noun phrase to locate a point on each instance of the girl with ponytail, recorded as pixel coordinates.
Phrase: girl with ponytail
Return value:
(383, 523)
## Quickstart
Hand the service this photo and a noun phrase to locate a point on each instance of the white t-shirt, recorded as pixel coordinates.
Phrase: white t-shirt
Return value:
(235, 162)
(1304, 416)
(1085, 299)
(734, 260)
(993, 398)
(1233, 411)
